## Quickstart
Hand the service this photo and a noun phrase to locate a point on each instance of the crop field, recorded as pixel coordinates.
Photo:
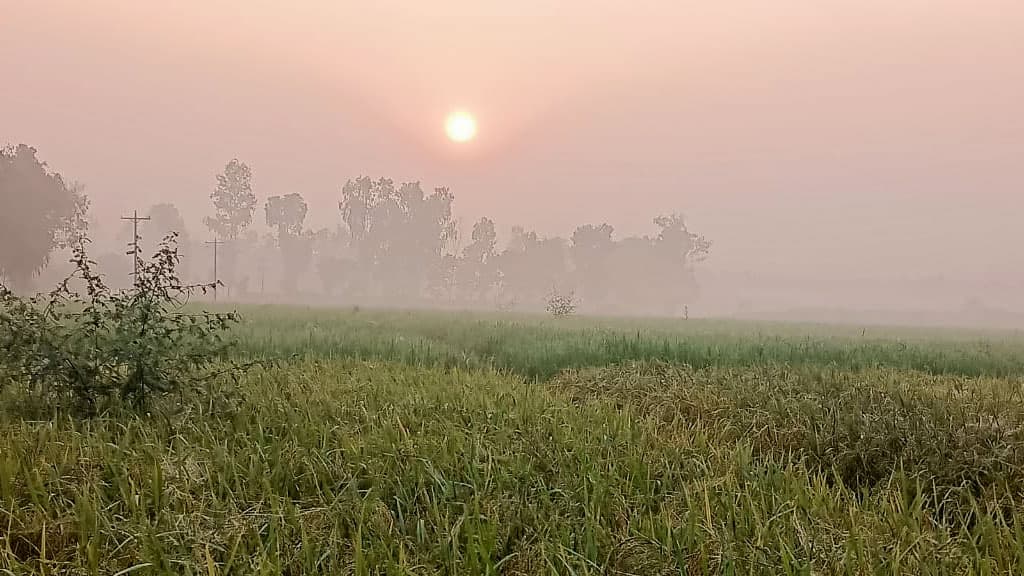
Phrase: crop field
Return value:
(392, 442)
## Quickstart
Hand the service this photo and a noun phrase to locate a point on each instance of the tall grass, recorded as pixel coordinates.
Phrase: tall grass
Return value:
(350, 468)
(538, 346)
(424, 443)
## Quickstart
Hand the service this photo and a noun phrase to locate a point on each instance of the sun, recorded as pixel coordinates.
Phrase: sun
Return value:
(460, 126)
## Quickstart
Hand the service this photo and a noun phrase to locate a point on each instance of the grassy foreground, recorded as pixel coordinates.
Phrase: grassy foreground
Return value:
(367, 454)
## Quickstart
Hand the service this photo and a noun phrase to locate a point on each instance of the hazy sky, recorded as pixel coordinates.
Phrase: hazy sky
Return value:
(822, 144)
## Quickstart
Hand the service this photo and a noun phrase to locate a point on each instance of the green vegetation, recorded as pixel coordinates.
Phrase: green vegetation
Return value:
(539, 346)
(427, 442)
(81, 350)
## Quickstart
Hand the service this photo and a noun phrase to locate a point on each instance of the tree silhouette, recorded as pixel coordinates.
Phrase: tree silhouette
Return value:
(287, 214)
(532, 267)
(679, 241)
(590, 249)
(165, 218)
(333, 258)
(233, 201)
(398, 235)
(39, 213)
(477, 269)
(396, 244)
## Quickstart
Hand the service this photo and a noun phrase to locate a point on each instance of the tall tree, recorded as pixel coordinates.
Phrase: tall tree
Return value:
(357, 201)
(359, 209)
(677, 249)
(478, 270)
(531, 267)
(233, 200)
(332, 258)
(39, 212)
(164, 218)
(287, 214)
(437, 233)
(684, 246)
(234, 203)
(399, 236)
(591, 248)
(418, 228)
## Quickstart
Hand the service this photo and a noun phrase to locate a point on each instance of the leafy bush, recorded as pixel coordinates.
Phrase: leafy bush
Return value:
(560, 305)
(103, 345)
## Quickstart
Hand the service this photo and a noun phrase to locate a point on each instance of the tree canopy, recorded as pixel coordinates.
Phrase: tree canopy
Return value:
(39, 213)
(233, 200)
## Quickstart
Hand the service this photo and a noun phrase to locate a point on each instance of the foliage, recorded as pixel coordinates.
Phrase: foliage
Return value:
(233, 201)
(687, 246)
(39, 212)
(332, 258)
(476, 271)
(164, 219)
(398, 245)
(399, 237)
(104, 345)
(591, 247)
(560, 305)
(286, 213)
(530, 265)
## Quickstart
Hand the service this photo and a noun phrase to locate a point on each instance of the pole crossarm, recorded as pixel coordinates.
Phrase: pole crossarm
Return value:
(134, 244)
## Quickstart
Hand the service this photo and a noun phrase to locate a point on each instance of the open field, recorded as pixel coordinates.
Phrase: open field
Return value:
(423, 443)
(541, 346)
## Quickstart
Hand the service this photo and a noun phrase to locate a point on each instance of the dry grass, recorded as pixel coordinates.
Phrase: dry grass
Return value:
(334, 465)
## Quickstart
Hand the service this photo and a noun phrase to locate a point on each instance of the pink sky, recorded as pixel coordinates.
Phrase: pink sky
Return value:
(821, 144)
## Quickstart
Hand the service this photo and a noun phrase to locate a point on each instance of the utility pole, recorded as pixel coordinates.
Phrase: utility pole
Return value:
(263, 270)
(216, 242)
(135, 218)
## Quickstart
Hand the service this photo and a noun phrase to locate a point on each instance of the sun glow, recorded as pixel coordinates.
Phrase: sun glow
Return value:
(460, 126)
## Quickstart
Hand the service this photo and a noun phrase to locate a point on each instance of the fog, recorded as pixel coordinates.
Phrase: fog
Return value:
(849, 160)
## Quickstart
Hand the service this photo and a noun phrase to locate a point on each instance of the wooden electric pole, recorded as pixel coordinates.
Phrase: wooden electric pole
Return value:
(216, 242)
(134, 252)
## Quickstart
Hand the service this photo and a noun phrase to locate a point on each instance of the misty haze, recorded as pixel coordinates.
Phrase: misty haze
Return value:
(523, 287)
(856, 156)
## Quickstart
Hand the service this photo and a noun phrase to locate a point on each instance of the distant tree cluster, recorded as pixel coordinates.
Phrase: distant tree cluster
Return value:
(39, 213)
(399, 244)
(394, 244)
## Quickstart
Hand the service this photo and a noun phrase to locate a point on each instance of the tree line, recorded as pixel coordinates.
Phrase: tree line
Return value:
(393, 244)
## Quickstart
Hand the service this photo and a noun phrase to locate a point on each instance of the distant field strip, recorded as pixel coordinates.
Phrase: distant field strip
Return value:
(538, 346)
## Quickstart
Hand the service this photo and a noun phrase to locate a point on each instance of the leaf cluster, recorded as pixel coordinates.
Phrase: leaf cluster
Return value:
(560, 305)
(83, 344)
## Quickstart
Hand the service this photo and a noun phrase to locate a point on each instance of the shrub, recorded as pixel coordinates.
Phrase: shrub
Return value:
(561, 305)
(104, 345)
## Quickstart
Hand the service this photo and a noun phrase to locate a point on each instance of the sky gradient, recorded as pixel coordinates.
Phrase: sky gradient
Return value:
(839, 153)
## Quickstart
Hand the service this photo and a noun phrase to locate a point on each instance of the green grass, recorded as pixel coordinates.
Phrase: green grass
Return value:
(425, 443)
(540, 347)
